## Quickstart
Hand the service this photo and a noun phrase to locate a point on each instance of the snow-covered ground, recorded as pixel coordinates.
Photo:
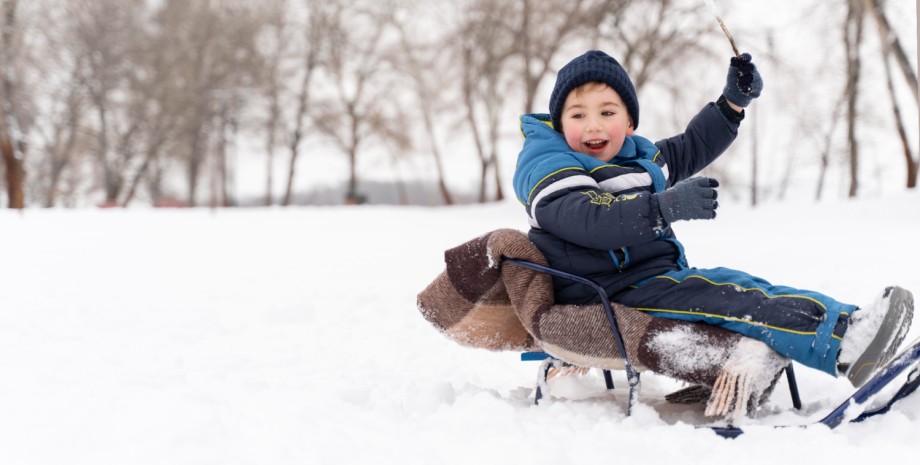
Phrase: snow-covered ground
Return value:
(292, 337)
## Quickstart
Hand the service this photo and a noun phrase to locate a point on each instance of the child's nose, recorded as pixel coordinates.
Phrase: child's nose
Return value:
(594, 124)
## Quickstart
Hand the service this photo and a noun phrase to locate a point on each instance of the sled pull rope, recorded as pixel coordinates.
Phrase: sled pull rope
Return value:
(632, 375)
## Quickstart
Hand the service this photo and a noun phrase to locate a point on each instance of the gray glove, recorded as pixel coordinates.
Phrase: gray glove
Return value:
(692, 199)
(743, 83)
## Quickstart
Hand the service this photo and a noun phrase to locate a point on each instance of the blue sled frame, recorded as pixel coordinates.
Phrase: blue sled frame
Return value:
(632, 376)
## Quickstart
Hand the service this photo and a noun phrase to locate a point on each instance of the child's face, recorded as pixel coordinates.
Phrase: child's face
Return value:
(595, 121)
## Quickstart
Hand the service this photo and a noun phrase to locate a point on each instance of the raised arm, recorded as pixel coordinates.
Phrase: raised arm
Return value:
(715, 127)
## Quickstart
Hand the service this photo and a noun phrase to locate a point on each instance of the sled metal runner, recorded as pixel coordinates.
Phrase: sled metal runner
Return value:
(909, 358)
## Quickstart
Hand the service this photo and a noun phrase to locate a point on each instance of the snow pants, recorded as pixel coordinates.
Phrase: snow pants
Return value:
(804, 326)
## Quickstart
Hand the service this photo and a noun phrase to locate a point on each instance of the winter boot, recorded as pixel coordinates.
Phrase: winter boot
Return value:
(874, 334)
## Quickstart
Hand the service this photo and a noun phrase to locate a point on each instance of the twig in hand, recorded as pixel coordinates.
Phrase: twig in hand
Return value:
(731, 40)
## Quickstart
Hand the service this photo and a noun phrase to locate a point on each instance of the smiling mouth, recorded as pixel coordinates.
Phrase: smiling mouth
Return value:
(596, 144)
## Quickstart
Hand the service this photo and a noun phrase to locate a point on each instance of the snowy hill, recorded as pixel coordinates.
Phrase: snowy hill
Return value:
(291, 336)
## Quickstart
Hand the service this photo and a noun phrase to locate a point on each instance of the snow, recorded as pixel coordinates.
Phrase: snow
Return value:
(686, 350)
(271, 336)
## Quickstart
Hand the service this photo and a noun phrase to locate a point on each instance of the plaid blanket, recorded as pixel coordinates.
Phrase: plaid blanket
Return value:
(477, 302)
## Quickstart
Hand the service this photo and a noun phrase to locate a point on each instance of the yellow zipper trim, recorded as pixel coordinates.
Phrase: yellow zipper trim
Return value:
(731, 318)
(535, 186)
(788, 296)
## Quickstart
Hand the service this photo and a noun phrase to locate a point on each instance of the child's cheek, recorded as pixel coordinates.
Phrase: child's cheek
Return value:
(572, 137)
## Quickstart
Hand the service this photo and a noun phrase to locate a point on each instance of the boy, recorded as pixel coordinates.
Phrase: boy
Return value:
(601, 201)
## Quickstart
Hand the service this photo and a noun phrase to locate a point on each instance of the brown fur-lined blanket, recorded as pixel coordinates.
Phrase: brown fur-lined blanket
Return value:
(477, 302)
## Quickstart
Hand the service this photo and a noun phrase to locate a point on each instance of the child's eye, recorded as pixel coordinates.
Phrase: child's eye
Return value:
(577, 116)
(607, 113)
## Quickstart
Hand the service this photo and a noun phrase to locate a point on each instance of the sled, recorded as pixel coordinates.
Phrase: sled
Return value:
(907, 359)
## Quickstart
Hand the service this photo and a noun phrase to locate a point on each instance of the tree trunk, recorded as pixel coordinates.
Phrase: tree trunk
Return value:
(493, 153)
(223, 168)
(469, 102)
(436, 153)
(12, 161)
(273, 65)
(828, 143)
(402, 194)
(853, 39)
(111, 183)
(892, 44)
(270, 162)
(12, 145)
(297, 134)
(480, 150)
(530, 87)
(351, 195)
(195, 159)
(151, 153)
(899, 123)
(483, 181)
(61, 156)
(292, 167)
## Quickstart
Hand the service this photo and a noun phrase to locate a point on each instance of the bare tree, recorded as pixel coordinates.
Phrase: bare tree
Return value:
(134, 95)
(223, 132)
(319, 36)
(911, 163)
(651, 35)
(277, 43)
(63, 138)
(58, 137)
(157, 76)
(354, 113)
(215, 45)
(485, 47)
(103, 34)
(891, 48)
(158, 105)
(542, 28)
(827, 139)
(891, 43)
(12, 144)
(853, 39)
(420, 62)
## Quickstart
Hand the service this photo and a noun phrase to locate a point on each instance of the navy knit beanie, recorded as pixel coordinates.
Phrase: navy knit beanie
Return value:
(593, 66)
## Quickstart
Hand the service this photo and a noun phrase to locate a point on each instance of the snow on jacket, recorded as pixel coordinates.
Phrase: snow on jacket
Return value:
(599, 220)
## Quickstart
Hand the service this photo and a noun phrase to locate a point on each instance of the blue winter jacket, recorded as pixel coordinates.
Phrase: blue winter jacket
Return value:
(599, 220)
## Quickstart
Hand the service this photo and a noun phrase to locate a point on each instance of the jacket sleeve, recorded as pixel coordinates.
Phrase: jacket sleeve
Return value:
(707, 136)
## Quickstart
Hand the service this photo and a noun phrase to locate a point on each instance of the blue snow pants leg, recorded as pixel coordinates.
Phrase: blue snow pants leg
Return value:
(804, 326)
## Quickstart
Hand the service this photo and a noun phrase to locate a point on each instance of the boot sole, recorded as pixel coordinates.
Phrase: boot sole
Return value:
(891, 333)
